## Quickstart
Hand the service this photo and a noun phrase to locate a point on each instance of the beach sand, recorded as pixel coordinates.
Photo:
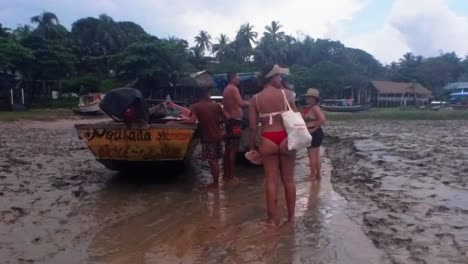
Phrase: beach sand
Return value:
(404, 184)
(407, 185)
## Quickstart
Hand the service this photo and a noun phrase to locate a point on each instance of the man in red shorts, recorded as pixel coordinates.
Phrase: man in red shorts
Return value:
(210, 117)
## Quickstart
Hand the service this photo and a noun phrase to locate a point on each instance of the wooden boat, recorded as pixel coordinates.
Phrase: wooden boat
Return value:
(343, 105)
(119, 147)
(350, 109)
(459, 106)
(89, 104)
(459, 101)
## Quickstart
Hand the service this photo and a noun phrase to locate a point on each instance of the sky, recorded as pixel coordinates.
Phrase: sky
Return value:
(385, 28)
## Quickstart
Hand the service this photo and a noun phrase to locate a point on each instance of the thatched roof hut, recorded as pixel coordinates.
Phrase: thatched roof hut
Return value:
(387, 87)
(386, 93)
(198, 79)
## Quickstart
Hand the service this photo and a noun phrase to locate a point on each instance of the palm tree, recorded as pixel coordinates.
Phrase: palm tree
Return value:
(410, 60)
(273, 31)
(246, 35)
(45, 19)
(47, 23)
(221, 47)
(203, 41)
(245, 39)
(172, 39)
(22, 31)
(4, 31)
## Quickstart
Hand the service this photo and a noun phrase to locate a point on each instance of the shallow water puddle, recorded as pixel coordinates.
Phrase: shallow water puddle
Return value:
(177, 224)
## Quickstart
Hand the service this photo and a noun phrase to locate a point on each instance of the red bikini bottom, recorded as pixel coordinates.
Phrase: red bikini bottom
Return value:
(276, 137)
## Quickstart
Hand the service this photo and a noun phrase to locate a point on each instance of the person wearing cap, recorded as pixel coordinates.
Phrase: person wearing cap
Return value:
(266, 107)
(314, 119)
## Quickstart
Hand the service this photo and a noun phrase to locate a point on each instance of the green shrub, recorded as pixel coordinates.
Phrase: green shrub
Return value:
(109, 84)
(88, 81)
(62, 103)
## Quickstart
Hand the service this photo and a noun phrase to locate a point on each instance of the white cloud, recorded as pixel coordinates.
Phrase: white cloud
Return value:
(387, 44)
(422, 28)
(184, 19)
(313, 17)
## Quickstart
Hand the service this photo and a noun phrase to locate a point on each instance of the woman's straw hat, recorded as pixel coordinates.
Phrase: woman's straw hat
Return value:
(312, 92)
(277, 70)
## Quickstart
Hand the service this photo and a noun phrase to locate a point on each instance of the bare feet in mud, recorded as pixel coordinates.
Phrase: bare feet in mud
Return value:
(268, 223)
(287, 223)
(290, 221)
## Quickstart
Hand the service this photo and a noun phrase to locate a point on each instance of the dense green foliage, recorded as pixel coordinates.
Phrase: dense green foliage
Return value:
(100, 53)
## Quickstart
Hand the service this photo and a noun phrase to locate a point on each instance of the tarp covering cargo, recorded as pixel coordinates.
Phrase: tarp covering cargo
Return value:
(118, 101)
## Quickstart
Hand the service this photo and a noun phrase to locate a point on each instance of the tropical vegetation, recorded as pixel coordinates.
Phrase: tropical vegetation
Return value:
(101, 53)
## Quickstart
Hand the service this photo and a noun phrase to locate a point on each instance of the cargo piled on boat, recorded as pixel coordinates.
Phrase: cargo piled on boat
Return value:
(136, 139)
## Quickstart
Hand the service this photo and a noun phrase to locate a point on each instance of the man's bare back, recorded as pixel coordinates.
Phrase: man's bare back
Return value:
(232, 102)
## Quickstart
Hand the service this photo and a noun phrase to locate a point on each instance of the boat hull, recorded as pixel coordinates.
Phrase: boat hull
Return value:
(459, 107)
(347, 109)
(91, 109)
(117, 146)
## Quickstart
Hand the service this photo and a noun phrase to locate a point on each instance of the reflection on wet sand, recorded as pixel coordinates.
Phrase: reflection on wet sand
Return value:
(173, 223)
(407, 190)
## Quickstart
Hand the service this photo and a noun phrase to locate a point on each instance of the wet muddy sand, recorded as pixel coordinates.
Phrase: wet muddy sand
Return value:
(406, 189)
(407, 185)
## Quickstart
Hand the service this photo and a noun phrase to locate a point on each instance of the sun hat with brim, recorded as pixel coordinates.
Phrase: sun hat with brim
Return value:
(312, 92)
(277, 70)
(254, 157)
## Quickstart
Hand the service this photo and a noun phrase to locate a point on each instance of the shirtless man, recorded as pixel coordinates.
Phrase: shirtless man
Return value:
(210, 117)
(233, 104)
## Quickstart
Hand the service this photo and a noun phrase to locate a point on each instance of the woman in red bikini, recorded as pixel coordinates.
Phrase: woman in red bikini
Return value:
(278, 161)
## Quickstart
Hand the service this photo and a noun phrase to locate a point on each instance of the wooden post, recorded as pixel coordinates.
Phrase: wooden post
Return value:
(367, 91)
(43, 87)
(22, 96)
(359, 96)
(378, 99)
(11, 94)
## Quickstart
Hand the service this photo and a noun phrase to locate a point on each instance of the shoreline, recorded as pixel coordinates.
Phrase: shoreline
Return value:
(399, 188)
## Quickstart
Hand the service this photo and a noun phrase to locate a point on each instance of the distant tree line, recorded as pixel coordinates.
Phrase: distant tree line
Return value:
(102, 53)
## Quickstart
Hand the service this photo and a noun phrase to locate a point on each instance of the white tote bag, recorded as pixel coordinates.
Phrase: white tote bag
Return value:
(298, 134)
